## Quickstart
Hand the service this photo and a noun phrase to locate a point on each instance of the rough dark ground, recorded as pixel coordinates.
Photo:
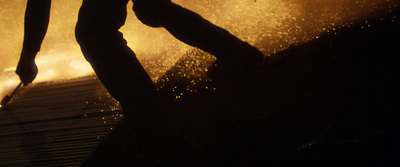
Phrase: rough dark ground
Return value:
(329, 102)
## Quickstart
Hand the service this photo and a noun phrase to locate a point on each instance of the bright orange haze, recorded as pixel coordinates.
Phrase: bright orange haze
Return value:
(270, 25)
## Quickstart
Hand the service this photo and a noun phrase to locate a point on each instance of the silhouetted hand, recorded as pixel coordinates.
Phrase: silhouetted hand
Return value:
(27, 68)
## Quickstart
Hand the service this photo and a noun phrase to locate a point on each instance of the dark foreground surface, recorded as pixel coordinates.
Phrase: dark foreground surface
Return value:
(330, 102)
(55, 124)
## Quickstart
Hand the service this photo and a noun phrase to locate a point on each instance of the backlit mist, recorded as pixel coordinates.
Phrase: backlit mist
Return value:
(270, 25)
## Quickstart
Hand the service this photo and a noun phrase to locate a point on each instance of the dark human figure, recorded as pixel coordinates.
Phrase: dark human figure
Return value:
(116, 65)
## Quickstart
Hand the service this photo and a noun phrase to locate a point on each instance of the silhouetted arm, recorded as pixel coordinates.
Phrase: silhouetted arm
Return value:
(192, 29)
(36, 22)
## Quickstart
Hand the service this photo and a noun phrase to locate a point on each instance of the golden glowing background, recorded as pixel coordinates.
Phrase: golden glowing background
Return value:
(270, 25)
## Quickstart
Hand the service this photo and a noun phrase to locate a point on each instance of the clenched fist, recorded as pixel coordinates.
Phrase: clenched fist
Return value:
(27, 68)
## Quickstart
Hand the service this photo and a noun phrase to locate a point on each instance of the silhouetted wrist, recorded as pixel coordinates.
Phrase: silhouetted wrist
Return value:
(28, 55)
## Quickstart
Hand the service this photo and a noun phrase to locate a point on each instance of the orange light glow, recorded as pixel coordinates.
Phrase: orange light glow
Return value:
(270, 25)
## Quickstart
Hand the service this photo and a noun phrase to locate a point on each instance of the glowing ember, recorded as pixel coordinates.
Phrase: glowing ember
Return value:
(270, 25)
